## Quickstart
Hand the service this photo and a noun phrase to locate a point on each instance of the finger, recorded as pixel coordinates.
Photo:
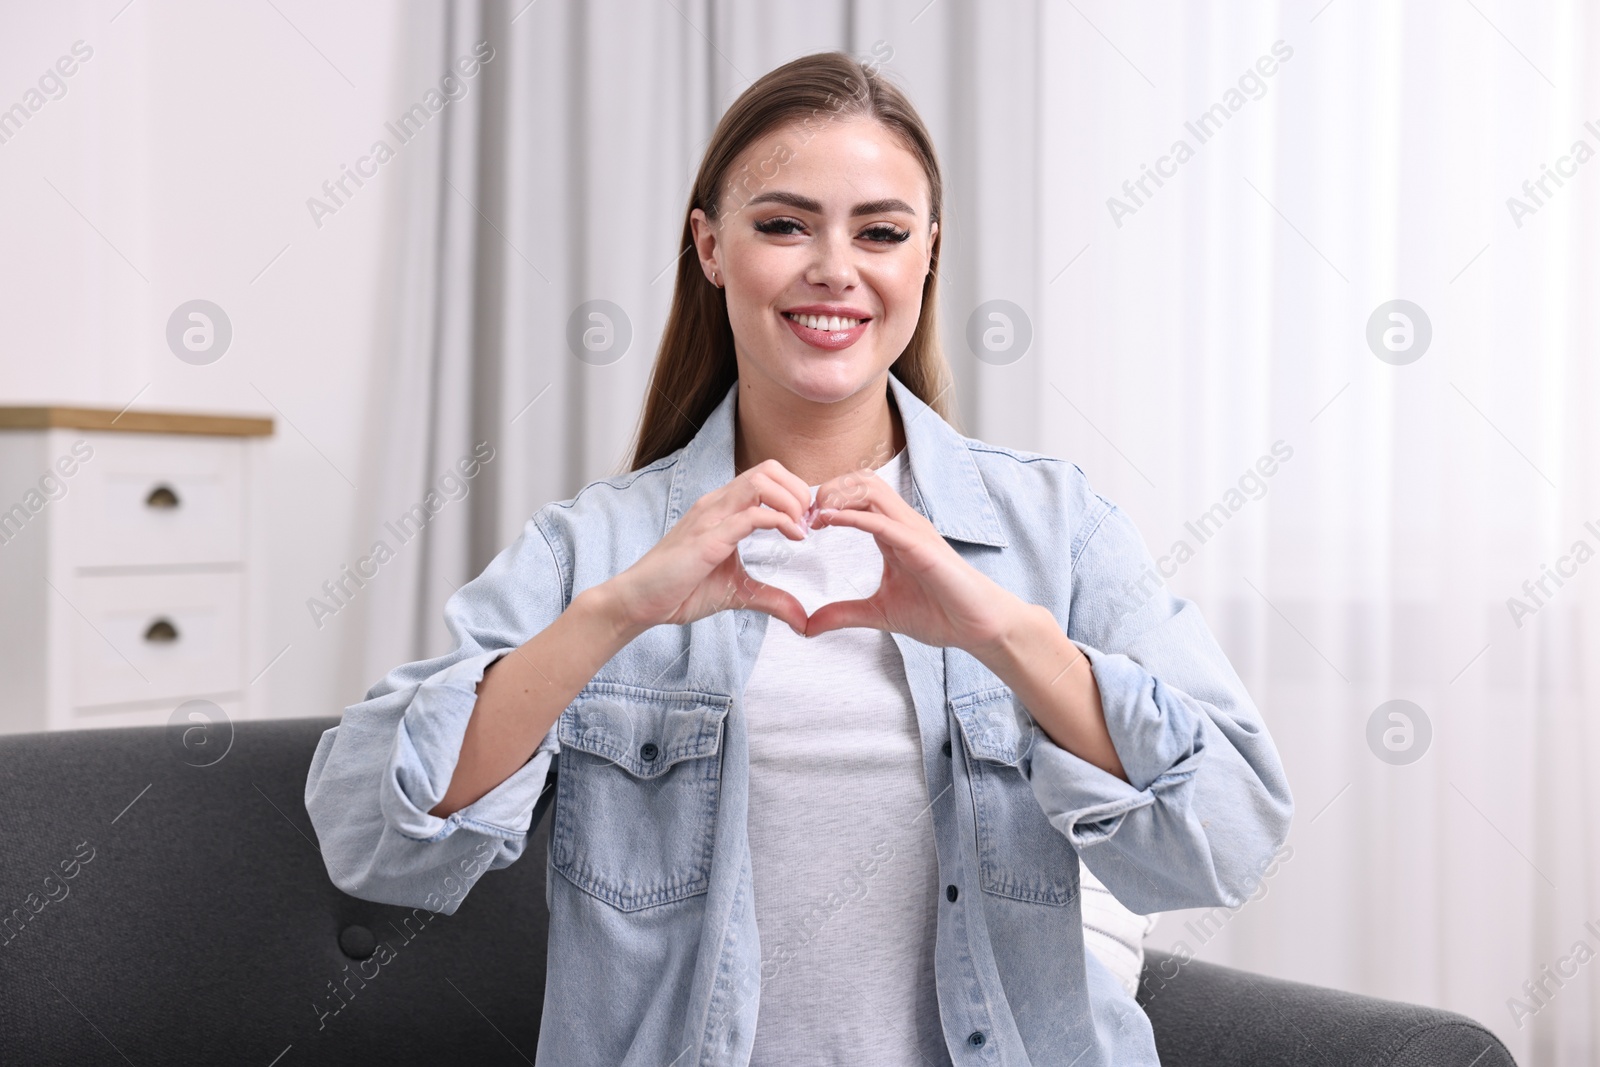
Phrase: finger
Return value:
(862, 489)
(758, 486)
(743, 590)
(784, 476)
(778, 484)
(771, 600)
(842, 614)
(750, 488)
(887, 529)
(736, 527)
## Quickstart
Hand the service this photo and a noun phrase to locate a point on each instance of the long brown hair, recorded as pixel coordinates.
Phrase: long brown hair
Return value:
(695, 366)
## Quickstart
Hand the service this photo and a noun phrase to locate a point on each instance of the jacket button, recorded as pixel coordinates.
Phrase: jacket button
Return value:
(975, 1038)
(947, 748)
(357, 942)
(951, 892)
(649, 751)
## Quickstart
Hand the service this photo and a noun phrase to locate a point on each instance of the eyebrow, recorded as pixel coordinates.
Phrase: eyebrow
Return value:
(805, 203)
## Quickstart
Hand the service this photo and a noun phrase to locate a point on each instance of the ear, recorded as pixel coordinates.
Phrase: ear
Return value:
(704, 232)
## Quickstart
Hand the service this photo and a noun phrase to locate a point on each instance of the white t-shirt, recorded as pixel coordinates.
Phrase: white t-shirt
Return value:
(841, 838)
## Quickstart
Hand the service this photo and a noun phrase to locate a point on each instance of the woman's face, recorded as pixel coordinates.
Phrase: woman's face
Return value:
(819, 225)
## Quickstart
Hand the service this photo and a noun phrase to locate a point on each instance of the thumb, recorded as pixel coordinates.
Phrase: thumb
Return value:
(842, 614)
(769, 599)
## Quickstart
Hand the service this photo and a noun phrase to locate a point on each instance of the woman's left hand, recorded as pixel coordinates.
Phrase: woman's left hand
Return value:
(928, 592)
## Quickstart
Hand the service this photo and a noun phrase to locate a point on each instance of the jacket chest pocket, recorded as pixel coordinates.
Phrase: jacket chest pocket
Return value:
(636, 794)
(1020, 855)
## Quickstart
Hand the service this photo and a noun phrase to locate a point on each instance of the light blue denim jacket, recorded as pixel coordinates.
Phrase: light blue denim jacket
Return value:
(654, 957)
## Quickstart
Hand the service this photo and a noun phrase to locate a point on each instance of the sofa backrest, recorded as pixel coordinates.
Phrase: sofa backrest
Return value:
(180, 913)
(162, 900)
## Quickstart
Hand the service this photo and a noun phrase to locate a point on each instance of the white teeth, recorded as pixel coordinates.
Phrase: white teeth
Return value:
(828, 323)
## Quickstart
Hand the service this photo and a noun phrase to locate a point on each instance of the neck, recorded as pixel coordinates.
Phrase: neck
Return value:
(815, 441)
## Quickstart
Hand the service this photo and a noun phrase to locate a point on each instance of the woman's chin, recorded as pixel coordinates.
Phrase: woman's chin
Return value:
(828, 385)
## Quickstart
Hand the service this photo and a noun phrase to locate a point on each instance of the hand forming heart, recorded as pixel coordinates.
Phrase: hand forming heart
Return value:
(928, 592)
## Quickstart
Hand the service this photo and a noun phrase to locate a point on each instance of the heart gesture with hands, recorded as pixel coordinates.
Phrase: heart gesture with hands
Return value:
(928, 592)
(695, 570)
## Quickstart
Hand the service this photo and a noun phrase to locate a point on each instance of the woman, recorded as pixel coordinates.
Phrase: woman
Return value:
(799, 819)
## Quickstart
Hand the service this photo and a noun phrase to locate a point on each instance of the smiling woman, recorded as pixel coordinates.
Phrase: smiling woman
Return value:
(824, 289)
(837, 693)
(849, 205)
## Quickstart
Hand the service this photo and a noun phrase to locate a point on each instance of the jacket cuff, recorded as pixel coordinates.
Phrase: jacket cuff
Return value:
(427, 746)
(1157, 737)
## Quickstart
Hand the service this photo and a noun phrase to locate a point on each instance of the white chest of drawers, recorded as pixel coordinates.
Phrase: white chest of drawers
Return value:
(123, 563)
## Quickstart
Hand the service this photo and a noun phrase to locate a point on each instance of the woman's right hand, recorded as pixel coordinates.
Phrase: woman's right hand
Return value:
(695, 570)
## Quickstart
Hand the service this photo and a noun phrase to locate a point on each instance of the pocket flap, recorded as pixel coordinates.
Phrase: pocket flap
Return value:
(644, 731)
(995, 724)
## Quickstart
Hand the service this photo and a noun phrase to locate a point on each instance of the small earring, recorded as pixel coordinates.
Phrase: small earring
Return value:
(716, 280)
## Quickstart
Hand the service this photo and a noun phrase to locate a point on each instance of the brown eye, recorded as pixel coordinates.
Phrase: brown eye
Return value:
(777, 226)
(886, 234)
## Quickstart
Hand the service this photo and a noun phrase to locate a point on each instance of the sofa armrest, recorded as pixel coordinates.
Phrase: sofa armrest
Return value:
(1210, 1016)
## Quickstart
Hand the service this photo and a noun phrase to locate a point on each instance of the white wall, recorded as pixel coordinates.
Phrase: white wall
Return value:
(177, 165)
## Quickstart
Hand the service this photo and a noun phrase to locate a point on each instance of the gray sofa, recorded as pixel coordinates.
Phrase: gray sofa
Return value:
(153, 910)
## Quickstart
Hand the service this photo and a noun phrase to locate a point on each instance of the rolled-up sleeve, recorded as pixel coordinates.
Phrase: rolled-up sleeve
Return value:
(1206, 803)
(375, 777)
(426, 747)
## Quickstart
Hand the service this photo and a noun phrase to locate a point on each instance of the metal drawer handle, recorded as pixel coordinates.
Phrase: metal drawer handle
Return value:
(162, 496)
(161, 632)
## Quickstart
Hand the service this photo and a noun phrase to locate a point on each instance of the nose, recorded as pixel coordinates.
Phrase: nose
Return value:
(831, 264)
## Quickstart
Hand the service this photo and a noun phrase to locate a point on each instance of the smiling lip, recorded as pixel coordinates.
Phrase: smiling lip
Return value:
(833, 340)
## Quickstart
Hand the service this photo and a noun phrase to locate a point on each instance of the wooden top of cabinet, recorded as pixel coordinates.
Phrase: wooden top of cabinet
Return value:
(51, 416)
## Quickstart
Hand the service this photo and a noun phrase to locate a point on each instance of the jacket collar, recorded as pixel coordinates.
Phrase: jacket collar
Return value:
(947, 487)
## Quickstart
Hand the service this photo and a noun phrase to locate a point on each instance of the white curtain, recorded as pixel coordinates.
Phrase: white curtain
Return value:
(1355, 518)
(1229, 311)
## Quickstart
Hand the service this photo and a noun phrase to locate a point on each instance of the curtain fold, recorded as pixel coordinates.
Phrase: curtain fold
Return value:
(1198, 317)
(439, 379)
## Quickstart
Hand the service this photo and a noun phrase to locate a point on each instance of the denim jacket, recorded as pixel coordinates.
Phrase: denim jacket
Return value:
(654, 957)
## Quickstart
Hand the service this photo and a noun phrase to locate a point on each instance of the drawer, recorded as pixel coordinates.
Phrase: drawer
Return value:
(155, 499)
(148, 637)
